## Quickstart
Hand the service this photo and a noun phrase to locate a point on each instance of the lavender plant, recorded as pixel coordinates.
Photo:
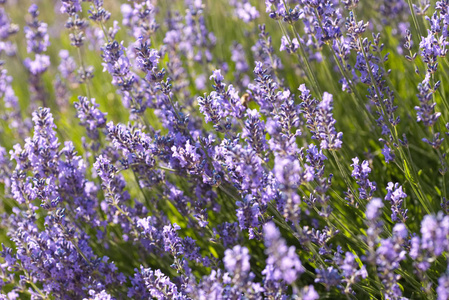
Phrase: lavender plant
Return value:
(198, 149)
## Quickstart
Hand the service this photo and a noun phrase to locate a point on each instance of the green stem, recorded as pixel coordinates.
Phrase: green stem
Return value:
(86, 83)
(37, 290)
(415, 20)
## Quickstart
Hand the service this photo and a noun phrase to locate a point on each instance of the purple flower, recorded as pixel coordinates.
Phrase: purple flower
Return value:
(110, 182)
(361, 174)
(37, 66)
(238, 57)
(309, 293)
(217, 77)
(36, 33)
(351, 271)
(212, 109)
(67, 67)
(275, 6)
(236, 260)
(330, 139)
(90, 116)
(147, 59)
(389, 254)
(289, 46)
(103, 295)
(258, 69)
(248, 213)
(374, 209)
(329, 277)
(245, 11)
(396, 197)
(70, 7)
(254, 131)
(425, 112)
(388, 153)
(289, 173)
(443, 287)
(319, 117)
(434, 232)
(282, 261)
(160, 286)
(7, 29)
(187, 156)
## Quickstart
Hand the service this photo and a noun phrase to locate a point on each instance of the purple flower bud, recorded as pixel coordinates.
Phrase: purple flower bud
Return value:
(309, 293)
(443, 288)
(245, 11)
(37, 66)
(388, 153)
(289, 46)
(373, 209)
(216, 76)
(396, 197)
(236, 260)
(282, 261)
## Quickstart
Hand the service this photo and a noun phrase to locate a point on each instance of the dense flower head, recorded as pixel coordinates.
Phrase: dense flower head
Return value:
(396, 196)
(39, 65)
(351, 270)
(160, 285)
(373, 209)
(90, 116)
(70, 7)
(244, 10)
(361, 173)
(236, 260)
(7, 29)
(318, 115)
(389, 255)
(36, 33)
(285, 262)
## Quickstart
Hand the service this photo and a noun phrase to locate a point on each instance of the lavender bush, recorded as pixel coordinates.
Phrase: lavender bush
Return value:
(211, 149)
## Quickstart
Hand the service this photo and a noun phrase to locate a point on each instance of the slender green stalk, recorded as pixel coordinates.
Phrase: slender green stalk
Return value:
(83, 68)
(415, 20)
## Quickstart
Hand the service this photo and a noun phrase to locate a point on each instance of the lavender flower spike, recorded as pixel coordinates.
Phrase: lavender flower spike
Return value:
(282, 262)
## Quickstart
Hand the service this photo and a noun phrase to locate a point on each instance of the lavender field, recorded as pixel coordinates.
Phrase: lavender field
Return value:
(213, 149)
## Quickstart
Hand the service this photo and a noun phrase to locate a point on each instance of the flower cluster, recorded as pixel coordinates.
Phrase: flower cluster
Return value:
(190, 149)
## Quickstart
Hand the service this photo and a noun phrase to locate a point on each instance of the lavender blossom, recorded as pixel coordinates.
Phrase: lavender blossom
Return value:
(396, 196)
(108, 172)
(282, 261)
(443, 288)
(236, 260)
(37, 66)
(289, 46)
(329, 277)
(389, 254)
(319, 119)
(160, 286)
(309, 293)
(7, 29)
(248, 213)
(36, 32)
(361, 174)
(203, 176)
(244, 10)
(70, 7)
(352, 272)
(90, 116)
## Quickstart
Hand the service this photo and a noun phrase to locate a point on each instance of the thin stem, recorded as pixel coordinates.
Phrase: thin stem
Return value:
(37, 289)
(345, 177)
(86, 83)
(415, 20)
